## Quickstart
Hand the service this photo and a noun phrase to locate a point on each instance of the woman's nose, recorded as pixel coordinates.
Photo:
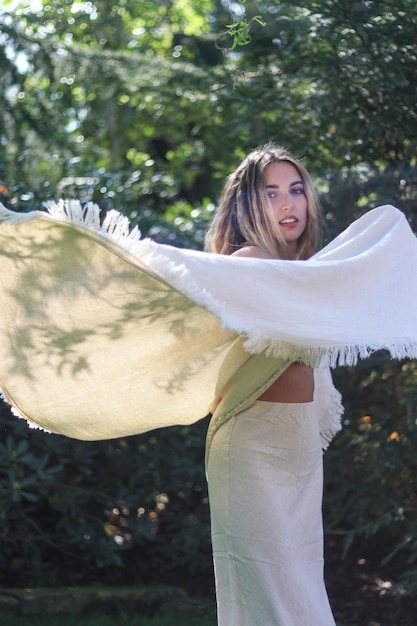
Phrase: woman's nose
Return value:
(286, 203)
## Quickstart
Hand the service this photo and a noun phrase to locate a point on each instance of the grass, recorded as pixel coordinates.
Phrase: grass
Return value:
(157, 605)
(122, 620)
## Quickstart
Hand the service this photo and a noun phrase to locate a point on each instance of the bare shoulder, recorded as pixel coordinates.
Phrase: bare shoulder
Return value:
(252, 252)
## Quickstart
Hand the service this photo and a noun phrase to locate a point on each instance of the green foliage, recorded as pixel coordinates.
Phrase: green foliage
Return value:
(240, 31)
(105, 620)
(146, 107)
(75, 512)
(372, 467)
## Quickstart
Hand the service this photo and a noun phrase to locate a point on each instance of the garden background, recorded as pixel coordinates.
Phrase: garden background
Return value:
(146, 106)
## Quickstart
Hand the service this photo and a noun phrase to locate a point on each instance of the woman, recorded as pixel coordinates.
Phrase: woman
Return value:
(264, 465)
(96, 322)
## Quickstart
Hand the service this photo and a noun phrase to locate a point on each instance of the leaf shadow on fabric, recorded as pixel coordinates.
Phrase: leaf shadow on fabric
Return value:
(94, 345)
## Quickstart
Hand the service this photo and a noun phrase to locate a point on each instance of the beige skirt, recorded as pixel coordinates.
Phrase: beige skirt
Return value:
(265, 479)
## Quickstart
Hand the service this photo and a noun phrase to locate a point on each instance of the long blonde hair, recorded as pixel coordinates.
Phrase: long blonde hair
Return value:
(243, 218)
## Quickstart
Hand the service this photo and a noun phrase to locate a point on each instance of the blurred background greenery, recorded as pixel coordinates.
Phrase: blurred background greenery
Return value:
(145, 106)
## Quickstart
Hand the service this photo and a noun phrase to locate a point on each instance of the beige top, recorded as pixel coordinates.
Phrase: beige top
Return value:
(255, 373)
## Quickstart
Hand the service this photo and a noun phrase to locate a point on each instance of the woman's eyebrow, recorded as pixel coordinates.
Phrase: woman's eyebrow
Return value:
(296, 182)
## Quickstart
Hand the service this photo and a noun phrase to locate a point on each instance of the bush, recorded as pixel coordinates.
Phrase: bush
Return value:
(75, 512)
(372, 465)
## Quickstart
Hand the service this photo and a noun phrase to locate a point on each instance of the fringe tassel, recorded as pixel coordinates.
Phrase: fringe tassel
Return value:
(330, 423)
(321, 356)
(116, 228)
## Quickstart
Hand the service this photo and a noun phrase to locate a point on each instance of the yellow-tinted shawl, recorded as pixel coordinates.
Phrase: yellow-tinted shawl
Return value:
(103, 334)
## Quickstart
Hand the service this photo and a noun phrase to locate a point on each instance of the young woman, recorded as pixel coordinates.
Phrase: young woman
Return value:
(264, 464)
(119, 335)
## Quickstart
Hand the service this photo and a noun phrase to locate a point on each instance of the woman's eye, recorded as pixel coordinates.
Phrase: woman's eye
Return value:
(299, 191)
(272, 194)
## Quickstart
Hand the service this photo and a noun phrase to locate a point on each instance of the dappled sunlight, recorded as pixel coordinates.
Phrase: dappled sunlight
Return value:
(128, 527)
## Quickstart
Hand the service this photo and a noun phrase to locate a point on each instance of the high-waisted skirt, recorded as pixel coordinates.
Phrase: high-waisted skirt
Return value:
(265, 480)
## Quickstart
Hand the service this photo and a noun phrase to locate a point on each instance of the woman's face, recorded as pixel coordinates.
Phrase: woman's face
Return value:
(285, 190)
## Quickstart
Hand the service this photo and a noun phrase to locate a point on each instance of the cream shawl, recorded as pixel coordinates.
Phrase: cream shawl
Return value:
(104, 334)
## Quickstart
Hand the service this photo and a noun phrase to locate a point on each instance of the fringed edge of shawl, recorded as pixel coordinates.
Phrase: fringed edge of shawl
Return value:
(116, 229)
(115, 226)
(331, 355)
(330, 423)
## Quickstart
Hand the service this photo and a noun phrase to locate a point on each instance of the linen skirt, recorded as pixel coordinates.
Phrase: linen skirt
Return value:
(265, 480)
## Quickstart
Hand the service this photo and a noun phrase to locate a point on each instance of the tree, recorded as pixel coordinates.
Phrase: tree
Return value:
(146, 107)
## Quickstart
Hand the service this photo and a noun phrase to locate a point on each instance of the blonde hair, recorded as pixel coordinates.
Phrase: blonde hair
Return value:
(243, 217)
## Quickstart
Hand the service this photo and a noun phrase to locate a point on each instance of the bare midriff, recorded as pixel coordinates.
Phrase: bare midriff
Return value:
(296, 384)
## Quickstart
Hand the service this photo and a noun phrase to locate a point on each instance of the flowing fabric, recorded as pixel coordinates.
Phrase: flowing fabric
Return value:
(104, 334)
